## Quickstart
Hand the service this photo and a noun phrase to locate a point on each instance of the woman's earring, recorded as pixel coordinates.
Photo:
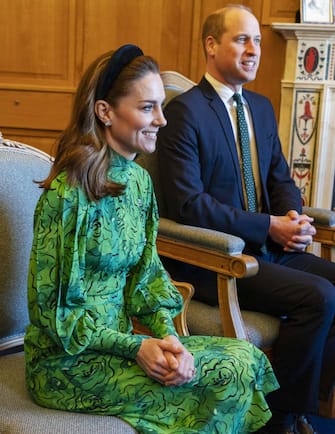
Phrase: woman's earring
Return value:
(108, 123)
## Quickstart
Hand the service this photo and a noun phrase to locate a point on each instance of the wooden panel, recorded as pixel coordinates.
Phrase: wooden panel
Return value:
(35, 110)
(162, 28)
(281, 11)
(175, 48)
(44, 140)
(37, 41)
(47, 44)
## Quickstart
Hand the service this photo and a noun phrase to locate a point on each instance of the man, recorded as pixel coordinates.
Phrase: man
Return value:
(204, 184)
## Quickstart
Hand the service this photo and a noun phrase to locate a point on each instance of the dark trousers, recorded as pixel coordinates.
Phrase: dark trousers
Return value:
(299, 288)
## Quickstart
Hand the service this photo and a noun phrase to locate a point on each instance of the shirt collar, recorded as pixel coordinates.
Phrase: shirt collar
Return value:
(224, 92)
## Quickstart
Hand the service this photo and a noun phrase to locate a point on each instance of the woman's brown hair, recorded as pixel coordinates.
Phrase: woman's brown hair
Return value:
(82, 149)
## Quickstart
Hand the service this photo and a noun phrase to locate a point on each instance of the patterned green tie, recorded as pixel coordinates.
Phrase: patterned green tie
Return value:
(244, 140)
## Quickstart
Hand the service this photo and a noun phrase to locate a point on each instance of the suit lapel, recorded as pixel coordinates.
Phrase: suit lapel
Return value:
(220, 111)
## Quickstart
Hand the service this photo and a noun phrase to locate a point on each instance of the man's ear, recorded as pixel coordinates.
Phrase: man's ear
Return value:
(210, 44)
(103, 111)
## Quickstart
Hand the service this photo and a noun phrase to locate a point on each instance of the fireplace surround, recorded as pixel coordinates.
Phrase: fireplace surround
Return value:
(307, 109)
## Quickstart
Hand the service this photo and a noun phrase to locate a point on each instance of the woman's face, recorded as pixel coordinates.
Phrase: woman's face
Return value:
(137, 118)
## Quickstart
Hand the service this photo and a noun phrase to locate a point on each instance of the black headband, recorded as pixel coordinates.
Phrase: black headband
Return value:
(119, 59)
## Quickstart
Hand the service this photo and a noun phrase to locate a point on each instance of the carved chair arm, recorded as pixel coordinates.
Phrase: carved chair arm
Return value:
(215, 251)
(322, 216)
(324, 220)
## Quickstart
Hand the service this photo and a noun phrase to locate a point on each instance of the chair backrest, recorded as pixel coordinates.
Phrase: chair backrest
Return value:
(20, 165)
(174, 84)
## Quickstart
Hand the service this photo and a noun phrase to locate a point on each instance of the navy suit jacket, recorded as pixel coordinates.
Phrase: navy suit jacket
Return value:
(200, 171)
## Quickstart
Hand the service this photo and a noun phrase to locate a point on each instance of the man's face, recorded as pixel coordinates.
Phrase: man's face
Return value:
(234, 59)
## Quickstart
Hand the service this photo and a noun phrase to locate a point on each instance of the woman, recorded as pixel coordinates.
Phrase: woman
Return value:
(94, 265)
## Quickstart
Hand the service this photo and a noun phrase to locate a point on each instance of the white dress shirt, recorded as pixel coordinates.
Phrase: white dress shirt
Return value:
(226, 95)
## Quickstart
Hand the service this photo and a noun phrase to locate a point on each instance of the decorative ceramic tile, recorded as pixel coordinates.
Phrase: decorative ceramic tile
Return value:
(312, 60)
(303, 145)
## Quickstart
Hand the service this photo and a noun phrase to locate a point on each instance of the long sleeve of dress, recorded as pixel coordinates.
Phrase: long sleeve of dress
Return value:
(58, 299)
(153, 299)
(94, 266)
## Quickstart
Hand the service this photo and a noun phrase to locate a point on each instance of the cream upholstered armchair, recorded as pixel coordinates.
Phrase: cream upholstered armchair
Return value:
(222, 254)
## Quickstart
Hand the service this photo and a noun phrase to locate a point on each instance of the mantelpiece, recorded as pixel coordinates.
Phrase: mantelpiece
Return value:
(307, 111)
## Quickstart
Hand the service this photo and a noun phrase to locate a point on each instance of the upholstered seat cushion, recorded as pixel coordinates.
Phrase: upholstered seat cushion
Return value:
(20, 415)
(262, 329)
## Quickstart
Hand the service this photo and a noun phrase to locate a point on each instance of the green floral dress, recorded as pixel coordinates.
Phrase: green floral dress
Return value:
(94, 266)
